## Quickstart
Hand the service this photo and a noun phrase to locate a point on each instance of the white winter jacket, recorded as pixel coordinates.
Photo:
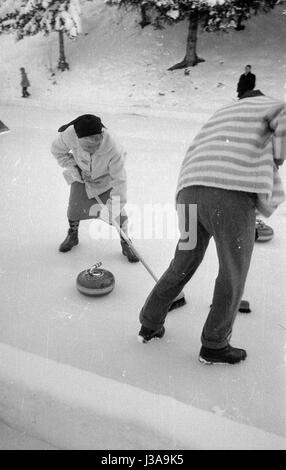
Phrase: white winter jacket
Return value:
(100, 171)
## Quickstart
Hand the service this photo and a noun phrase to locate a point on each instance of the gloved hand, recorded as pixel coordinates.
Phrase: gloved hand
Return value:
(278, 162)
(72, 174)
(86, 177)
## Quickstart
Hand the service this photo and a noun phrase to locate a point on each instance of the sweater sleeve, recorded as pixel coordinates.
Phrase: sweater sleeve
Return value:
(65, 159)
(278, 126)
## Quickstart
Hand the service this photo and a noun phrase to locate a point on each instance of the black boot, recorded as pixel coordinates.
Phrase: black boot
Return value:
(70, 241)
(227, 355)
(127, 251)
(145, 334)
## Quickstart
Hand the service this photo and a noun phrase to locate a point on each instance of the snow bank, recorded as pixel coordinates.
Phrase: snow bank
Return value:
(47, 398)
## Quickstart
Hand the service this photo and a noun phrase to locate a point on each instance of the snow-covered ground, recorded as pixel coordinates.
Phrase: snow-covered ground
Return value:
(43, 315)
(116, 63)
(42, 312)
(10, 439)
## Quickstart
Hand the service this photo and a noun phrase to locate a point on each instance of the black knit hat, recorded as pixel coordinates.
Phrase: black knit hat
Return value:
(85, 125)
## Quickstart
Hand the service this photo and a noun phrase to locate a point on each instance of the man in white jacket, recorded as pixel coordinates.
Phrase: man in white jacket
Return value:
(94, 167)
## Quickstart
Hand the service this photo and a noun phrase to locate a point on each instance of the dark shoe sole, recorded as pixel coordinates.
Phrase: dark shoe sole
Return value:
(158, 334)
(131, 260)
(65, 250)
(209, 361)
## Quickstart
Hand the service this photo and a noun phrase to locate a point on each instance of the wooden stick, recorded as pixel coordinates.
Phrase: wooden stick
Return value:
(136, 252)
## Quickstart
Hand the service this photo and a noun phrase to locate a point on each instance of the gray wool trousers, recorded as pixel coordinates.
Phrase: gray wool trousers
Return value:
(229, 217)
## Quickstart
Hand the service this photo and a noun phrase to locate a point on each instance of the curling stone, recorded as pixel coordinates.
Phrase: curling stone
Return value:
(95, 281)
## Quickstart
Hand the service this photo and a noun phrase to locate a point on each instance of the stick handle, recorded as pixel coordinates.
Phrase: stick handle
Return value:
(130, 244)
(180, 296)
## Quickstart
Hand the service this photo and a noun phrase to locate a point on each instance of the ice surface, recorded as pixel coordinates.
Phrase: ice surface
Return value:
(41, 310)
(43, 313)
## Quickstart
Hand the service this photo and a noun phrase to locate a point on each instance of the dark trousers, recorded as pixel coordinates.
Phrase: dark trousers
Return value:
(25, 91)
(229, 217)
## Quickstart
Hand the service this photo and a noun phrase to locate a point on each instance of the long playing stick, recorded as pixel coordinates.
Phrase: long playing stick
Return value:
(180, 299)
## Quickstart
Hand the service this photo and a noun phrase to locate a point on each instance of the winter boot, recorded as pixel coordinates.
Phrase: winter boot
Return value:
(127, 251)
(145, 334)
(227, 355)
(70, 241)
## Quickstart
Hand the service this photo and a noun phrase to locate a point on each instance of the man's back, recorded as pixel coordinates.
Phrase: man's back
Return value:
(234, 148)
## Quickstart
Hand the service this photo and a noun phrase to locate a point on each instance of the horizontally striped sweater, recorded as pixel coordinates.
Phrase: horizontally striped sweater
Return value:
(236, 149)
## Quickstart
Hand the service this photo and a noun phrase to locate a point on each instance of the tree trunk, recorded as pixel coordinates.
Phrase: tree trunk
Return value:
(191, 59)
(239, 25)
(145, 21)
(62, 64)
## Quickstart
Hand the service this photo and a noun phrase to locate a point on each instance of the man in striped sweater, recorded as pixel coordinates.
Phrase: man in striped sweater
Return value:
(229, 171)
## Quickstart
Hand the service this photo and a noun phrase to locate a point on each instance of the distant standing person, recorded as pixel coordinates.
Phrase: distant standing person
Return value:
(246, 81)
(24, 83)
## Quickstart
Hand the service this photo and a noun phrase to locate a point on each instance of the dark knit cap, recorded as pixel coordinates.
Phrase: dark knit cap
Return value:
(85, 125)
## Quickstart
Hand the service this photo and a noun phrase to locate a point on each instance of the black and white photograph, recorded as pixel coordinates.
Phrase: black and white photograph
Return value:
(143, 227)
